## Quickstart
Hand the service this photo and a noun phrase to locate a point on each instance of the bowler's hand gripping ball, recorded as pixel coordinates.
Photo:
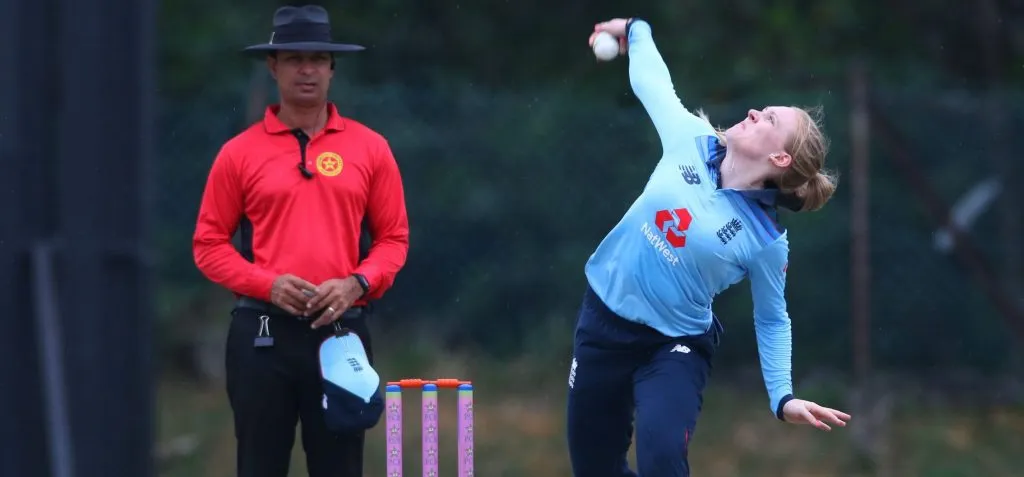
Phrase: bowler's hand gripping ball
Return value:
(606, 46)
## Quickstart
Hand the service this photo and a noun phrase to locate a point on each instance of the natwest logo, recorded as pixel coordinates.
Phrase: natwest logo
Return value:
(673, 223)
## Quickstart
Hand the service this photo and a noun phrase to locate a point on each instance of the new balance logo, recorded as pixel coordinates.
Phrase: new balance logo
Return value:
(729, 231)
(680, 349)
(690, 175)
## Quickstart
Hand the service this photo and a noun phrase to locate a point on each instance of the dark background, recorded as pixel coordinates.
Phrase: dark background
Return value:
(518, 151)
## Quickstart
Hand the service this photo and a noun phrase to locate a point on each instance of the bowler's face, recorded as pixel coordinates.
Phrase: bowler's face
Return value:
(303, 77)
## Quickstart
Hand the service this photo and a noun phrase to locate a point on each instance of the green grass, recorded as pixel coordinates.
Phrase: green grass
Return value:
(519, 424)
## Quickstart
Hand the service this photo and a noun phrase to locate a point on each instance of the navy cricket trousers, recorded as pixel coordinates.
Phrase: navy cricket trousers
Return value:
(620, 368)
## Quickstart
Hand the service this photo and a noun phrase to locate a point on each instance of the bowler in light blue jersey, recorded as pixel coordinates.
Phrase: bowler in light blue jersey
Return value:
(706, 220)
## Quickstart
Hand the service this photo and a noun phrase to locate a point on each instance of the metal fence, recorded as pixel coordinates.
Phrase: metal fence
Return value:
(508, 192)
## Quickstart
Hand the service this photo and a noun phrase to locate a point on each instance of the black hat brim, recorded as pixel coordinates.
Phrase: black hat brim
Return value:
(304, 46)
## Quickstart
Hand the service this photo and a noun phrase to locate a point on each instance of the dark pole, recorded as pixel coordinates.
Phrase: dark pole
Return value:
(76, 135)
(860, 240)
(104, 138)
(28, 96)
(996, 119)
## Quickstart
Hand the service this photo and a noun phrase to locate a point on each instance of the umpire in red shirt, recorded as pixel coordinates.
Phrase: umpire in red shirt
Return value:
(298, 186)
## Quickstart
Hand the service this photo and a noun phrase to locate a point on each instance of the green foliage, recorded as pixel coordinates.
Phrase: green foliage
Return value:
(519, 152)
(510, 192)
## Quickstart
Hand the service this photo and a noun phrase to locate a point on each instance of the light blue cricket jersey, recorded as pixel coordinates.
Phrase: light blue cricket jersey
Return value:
(685, 240)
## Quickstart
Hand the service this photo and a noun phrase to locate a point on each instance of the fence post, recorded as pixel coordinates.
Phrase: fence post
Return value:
(870, 405)
(860, 213)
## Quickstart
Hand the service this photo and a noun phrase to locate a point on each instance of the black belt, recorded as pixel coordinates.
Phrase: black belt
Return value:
(272, 309)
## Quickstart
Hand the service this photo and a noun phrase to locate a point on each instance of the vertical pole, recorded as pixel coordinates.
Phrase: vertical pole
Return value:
(75, 145)
(393, 420)
(28, 100)
(430, 430)
(871, 436)
(860, 240)
(50, 343)
(995, 116)
(465, 422)
(103, 131)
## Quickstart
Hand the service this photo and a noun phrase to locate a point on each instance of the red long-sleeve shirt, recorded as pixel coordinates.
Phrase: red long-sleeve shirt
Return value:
(308, 227)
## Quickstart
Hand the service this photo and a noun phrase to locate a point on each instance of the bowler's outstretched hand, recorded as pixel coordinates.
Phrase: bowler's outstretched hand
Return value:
(798, 411)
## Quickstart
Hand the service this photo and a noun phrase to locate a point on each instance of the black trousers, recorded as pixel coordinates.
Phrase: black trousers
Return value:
(621, 369)
(272, 389)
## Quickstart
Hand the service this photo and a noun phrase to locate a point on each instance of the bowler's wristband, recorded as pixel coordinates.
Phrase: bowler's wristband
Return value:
(782, 404)
(629, 24)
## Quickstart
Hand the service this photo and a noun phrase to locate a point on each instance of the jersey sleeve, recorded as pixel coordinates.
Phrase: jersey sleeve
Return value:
(220, 211)
(388, 223)
(767, 273)
(652, 84)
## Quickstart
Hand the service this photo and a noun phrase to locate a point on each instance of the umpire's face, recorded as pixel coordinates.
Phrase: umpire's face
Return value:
(303, 77)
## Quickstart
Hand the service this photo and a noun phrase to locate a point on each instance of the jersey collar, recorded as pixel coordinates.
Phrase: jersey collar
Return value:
(273, 125)
(769, 196)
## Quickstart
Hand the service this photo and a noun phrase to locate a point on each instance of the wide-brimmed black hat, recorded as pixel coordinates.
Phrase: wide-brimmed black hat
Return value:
(305, 28)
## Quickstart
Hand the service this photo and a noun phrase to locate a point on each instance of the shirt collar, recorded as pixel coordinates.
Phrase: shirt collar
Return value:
(770, 195)
(273, 125)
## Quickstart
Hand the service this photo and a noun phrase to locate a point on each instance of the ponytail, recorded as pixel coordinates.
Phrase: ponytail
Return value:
(816, 192)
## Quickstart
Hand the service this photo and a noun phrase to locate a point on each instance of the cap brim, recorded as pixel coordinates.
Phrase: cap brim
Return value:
(346, 412)
(304, 46)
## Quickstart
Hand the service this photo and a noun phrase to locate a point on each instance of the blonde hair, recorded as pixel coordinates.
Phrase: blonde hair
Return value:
(805, 177)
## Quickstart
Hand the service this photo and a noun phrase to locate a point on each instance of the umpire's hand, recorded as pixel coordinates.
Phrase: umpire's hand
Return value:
(337, 295)
(290, 293)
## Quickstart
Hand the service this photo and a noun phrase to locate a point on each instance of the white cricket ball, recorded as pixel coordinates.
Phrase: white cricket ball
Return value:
(606, 46)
